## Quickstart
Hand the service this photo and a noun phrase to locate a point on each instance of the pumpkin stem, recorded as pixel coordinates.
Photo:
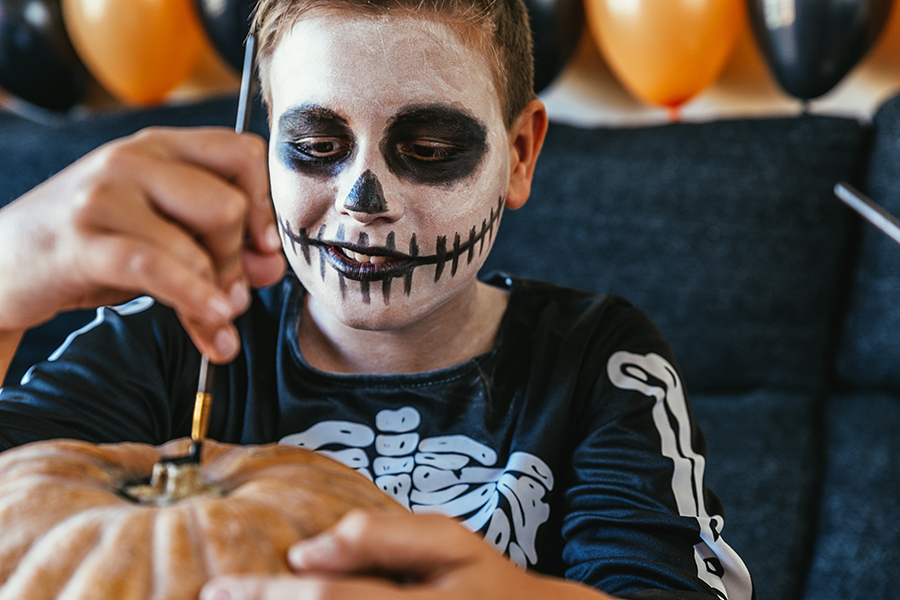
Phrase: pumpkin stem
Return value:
(172, 482)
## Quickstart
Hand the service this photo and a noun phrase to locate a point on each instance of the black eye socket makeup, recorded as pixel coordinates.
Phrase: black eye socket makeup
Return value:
(434, 145)
(314, 140)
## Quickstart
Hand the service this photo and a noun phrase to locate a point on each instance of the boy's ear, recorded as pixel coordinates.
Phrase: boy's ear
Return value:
(526, 139)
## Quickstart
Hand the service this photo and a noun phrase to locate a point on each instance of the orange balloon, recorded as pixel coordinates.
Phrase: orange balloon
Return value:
(139, 50)
(210, 76)
(666, 51)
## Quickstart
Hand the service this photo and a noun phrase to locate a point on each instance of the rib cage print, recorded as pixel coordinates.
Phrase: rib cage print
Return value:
(454, 475)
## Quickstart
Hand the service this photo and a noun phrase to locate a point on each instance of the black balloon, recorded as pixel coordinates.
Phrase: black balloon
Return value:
(811, 44)
(227, 23)
(556, 28)
(37, 61)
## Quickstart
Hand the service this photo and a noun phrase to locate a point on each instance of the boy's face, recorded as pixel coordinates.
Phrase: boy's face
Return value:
(389, 162)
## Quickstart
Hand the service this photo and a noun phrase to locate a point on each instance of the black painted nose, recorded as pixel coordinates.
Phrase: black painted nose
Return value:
(367, 196)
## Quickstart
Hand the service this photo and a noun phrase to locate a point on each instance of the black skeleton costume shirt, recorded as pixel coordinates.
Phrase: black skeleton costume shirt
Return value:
(570, 446)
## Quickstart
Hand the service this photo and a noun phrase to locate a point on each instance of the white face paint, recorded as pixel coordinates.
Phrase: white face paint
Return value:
(389, 163)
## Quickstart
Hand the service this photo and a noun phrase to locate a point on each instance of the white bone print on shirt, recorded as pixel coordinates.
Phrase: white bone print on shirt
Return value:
(453, 475)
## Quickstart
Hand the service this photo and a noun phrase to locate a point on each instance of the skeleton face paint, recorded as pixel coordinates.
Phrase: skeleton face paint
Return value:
(366, 196)
(389, 163)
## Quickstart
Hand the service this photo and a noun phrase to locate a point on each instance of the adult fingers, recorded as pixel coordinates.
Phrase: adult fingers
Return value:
(116, 264)
(218, 342)
(124, 263)
(240, 159)
(103, 211)
(170, 209)
(198, 200)
(264, 269)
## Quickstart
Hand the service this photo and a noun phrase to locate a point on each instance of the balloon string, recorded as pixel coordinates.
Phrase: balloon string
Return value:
(674, 113)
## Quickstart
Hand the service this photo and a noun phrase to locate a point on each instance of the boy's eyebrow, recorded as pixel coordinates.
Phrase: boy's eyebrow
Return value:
(451, 119)
(309, 117)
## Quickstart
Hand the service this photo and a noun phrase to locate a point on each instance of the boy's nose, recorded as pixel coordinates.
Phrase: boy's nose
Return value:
(367, 200)
(367, 195)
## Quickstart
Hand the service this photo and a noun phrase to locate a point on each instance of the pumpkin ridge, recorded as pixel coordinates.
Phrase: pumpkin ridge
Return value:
(195, 535)
(18, 506)
(109, 455)
(61, 467)
(326, 477)
(276, 529)
(176, 556)
(64, 546)
(235, 464)
(112, 569)
(225, 527)
(300, 532)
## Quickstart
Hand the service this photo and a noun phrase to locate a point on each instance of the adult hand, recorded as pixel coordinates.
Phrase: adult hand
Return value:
(398, 556)
(182, 215)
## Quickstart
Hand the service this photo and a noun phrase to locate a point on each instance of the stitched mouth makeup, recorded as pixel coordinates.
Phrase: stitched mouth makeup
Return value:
(365, 263)
(362, 263)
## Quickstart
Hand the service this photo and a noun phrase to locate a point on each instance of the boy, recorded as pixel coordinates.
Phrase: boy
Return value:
(551, 421)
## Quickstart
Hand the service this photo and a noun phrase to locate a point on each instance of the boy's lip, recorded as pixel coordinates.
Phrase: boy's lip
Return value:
(342, 255)
(377, 264)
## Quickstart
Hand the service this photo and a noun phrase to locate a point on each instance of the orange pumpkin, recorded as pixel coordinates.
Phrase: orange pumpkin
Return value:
(69, 521)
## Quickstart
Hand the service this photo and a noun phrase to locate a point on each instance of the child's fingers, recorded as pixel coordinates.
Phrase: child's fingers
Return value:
(423, 545)
(294, 588)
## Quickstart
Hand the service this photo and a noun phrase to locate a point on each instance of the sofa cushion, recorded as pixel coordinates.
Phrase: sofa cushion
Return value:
(762, 457)
(858, 527)
(869, 353)
(726, 233)
(32, 152)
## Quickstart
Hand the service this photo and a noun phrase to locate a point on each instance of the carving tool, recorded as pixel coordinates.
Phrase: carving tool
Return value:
(203, 399)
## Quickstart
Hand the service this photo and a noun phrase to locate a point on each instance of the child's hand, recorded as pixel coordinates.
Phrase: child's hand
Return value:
(426, 556)
(181, 215)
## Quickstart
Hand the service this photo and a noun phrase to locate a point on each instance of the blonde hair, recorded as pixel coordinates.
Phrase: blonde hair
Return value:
(497, 27)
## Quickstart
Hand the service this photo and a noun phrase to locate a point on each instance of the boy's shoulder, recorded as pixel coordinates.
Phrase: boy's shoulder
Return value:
(537, 305)
(537, 293)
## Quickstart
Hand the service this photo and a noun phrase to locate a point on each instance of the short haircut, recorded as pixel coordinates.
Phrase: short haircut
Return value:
(499, 28)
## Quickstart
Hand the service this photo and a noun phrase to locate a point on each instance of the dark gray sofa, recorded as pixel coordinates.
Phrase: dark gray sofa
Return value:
(784, 309)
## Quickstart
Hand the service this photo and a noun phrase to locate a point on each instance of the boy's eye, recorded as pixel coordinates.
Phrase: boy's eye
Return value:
(428, 151)
(319, 148)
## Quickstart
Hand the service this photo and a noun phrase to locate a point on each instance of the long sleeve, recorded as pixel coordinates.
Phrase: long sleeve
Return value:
(639, 518)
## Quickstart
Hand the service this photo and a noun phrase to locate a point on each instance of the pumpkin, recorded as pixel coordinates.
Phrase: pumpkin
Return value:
(79, 520)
